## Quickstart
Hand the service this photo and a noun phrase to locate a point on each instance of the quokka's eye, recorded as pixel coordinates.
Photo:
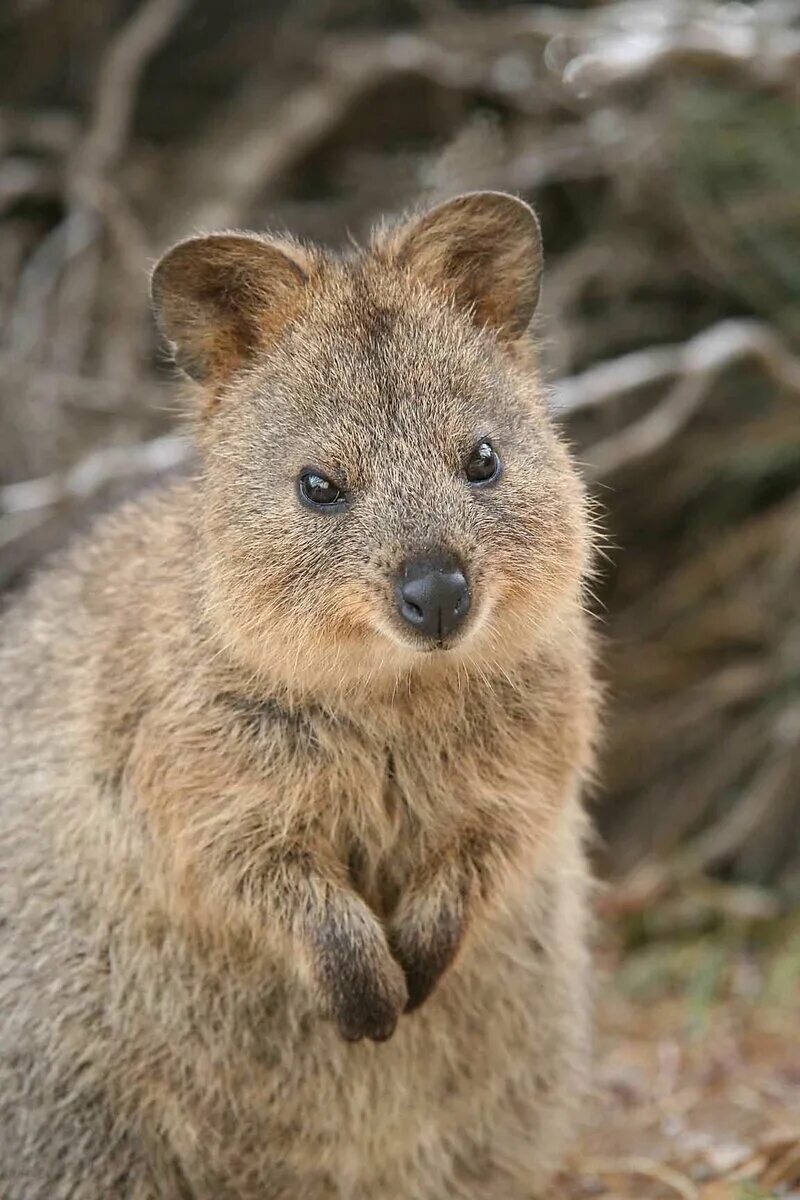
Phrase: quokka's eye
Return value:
(319, 492)
(483, 465)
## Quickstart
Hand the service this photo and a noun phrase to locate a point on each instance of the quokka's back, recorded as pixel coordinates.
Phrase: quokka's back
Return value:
(293, 879)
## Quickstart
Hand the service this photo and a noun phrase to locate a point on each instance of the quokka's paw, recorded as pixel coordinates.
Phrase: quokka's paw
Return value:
(425, 953)
(370, 1003)
(363, 989)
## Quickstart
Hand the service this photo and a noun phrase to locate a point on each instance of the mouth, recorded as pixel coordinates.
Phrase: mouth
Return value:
(406, 640)
(436, 647)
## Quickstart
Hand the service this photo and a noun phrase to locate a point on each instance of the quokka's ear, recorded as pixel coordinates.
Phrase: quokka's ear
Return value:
(485, 250)
(218, 299)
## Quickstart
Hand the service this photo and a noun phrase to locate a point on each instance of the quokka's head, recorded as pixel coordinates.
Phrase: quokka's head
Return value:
(382, 491)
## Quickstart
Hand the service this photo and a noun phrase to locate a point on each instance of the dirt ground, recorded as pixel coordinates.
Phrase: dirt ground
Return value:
(697, 1091)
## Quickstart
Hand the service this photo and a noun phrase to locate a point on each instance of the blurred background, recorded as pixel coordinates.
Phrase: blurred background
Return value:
(660, 143)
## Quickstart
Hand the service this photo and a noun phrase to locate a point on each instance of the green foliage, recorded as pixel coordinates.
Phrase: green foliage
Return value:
(736, 172)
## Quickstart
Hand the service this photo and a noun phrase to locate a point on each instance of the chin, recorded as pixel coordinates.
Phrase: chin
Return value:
(411, 650)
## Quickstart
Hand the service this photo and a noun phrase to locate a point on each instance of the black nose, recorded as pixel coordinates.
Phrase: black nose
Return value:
(433, 598)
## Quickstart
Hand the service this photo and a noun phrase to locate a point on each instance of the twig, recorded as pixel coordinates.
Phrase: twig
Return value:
(624, 44)
(95, 472)
(695, 366)
(712, 350)
(120, 71)
(243, 157)
(726, 837)
(48, 132)
(79, 391)
(75, 233)
(610, 381)
(23, 177)
(646, 1167)
(88, 189)
(651, 432)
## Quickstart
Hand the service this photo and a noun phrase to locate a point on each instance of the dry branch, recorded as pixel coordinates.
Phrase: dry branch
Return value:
(118, 81)
(243, 157)
(659, 142)
(705, 355)
(693, 368)
(94, 473)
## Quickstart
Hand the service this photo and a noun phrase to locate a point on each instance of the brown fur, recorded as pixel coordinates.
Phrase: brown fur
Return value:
(247, 821)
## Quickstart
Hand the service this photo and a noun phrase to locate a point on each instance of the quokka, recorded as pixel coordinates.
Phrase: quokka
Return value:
(293, 863)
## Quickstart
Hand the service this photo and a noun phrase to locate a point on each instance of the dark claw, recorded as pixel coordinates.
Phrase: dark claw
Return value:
(424, 966)
(362, 1020)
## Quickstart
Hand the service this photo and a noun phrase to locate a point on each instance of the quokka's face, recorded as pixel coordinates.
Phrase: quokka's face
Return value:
(383, 490)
